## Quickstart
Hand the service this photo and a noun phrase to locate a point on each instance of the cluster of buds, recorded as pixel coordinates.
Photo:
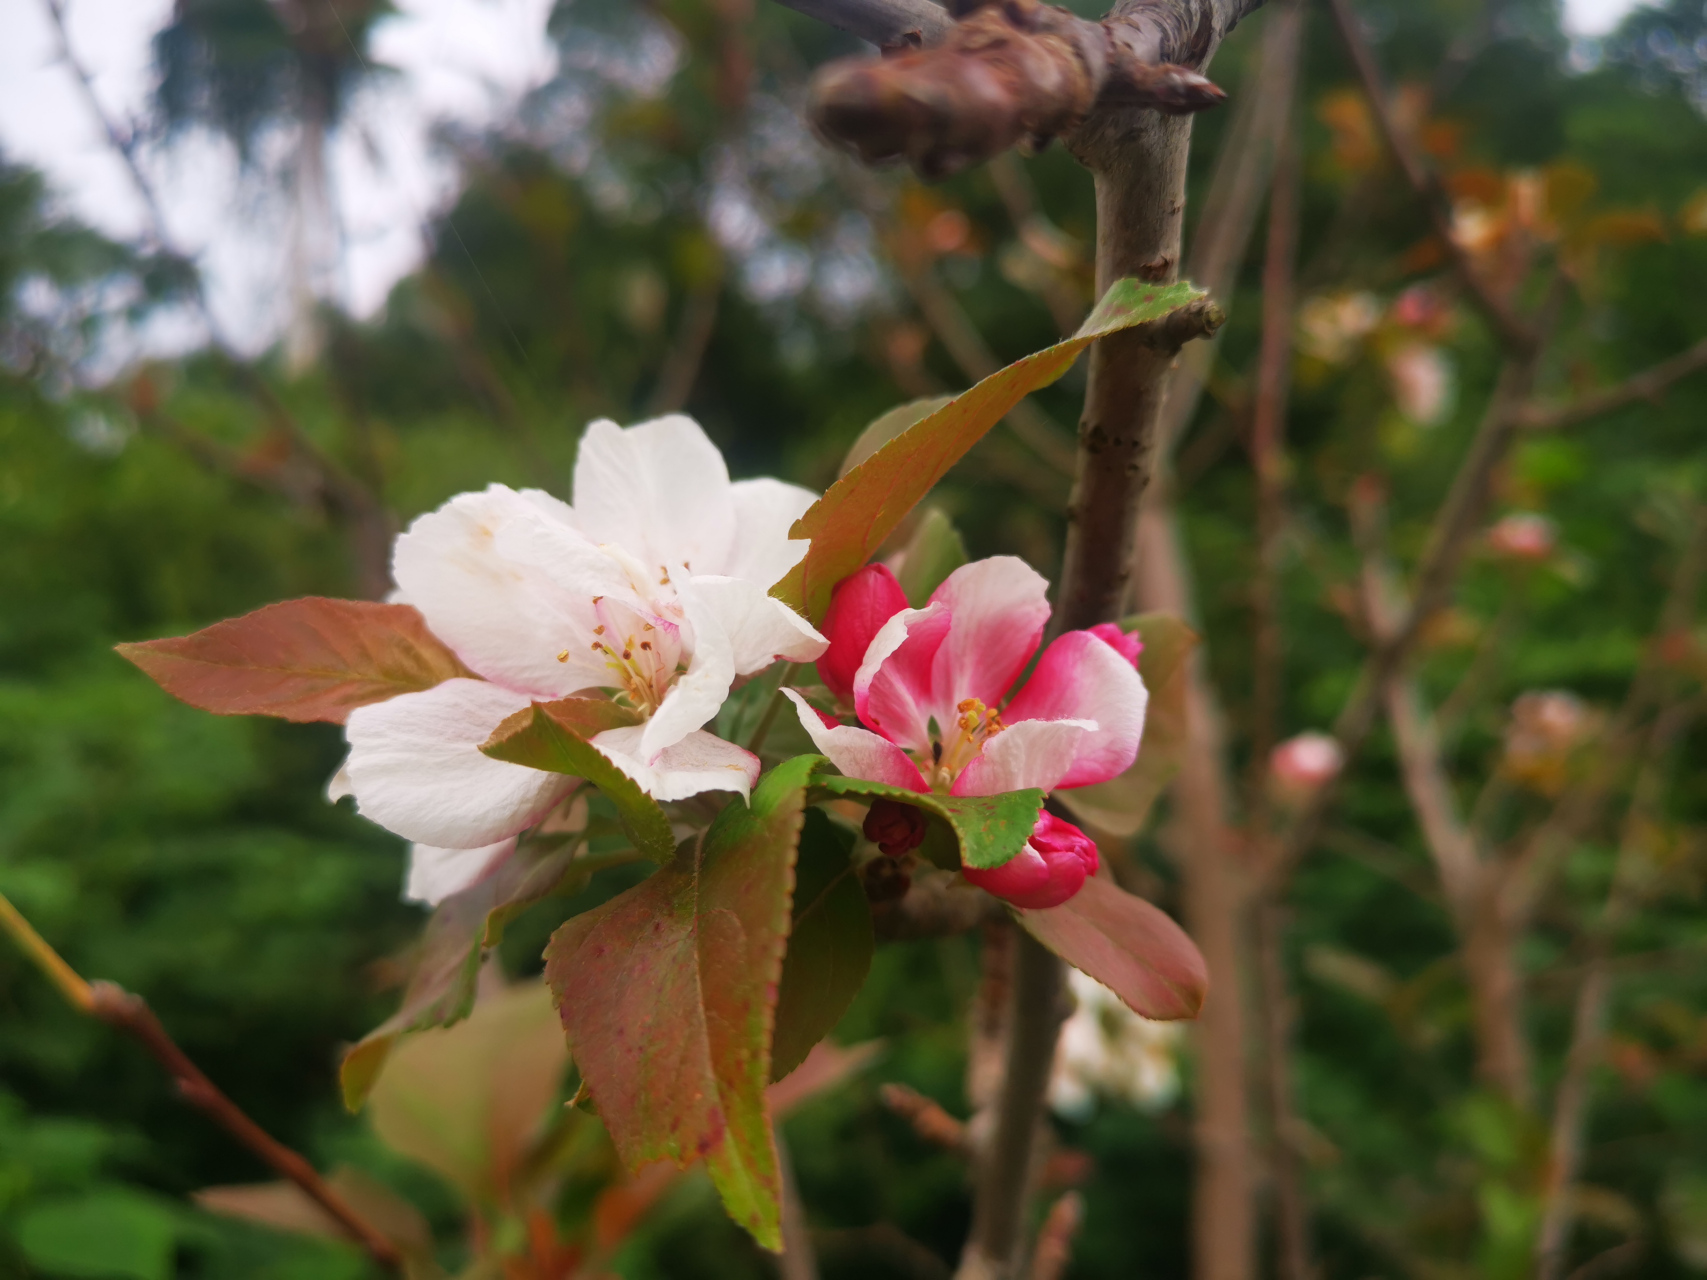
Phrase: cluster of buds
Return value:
(1547, 726)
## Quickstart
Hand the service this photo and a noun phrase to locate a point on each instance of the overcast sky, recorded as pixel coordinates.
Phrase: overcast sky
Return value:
(468, 60)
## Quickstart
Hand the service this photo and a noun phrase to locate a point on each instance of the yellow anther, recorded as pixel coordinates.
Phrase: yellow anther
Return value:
(564, 656)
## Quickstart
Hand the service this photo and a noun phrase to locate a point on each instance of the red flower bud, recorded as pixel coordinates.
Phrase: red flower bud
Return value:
(859, 606)
(894, 827)
(1050, 869)
(1128, 644)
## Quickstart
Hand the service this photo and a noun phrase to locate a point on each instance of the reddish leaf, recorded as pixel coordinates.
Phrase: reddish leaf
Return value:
(461, 930)
(863, 508)
(668, 996)
(1131, 947)
(309, 659)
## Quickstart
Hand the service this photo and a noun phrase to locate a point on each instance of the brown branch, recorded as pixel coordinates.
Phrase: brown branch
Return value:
(1588, 1026)
(1454, 525)
(1518, 338)
(927, 1117)
(1231, 206)
(1648, 385)
(1054, 1252)
(888, 24)
(130, 1014)
(1487, 934)
(1292, 1208)
(1015, 72)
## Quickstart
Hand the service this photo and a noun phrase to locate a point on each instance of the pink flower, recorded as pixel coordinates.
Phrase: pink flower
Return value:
(1525, 536)
(1303, 763)
(1050, 869)
(931, 689)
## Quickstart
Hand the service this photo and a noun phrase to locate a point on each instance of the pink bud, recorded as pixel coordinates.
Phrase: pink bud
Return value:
(859, 606)
(1524, 536)
(894, 827)
(1050, 869)
(1128, 644)
(1306, 762)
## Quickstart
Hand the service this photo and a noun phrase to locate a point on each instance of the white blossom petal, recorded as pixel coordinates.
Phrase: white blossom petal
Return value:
(765, 510)
(659, 489)
(435, 873)
(510, 588)
(416, 769)
(699, 762)
(761, 629)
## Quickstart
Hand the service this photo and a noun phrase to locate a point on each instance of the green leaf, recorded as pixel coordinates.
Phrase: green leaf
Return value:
(864, 507)
(933, 552)
(668, 994)
(886, 426)
(1130, 946)
(829, 943)
(554, 736)
(1122, 805)
(460, 931)
(105, 1232)
(989, 829)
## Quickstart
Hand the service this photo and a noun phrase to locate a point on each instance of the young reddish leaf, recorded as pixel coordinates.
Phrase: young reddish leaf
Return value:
(1121, 805)
(309, 659)
(554, 736)
(667, 994)
(462, 928)
(1131, 947)
(989, 829)
(862, 509)
(829, 944)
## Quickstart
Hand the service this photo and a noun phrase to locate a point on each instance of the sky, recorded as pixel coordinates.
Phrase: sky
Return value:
(464, 60)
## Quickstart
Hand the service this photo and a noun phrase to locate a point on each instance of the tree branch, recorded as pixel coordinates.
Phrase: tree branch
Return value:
(1020, 72)
(888, 24)
(1649, 385)
(130, 1014)
(1518, 338)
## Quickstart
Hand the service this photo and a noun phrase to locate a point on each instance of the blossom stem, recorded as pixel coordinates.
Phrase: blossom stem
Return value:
(775, 705)
(130, 1014)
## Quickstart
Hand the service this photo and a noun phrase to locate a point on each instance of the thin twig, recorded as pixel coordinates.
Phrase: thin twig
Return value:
(130, 1014)
(681, 366)
(1519, 339)
(1054, 1252)
(1648, 385)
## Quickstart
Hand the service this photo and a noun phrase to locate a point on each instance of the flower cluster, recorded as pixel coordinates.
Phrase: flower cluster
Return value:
(649, 588)
(931, 689)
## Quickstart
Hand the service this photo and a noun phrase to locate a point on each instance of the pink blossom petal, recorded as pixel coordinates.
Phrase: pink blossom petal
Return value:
(1032, 753)
(1128, 644)
(415, 767)
(893, 692)
(859, 606)
(1081, 677)
(857, 752)
(1000, 607)
(1067, 857)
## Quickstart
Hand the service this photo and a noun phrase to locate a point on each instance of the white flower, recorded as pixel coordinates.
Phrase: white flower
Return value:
(651, 587)
(1107, 1050)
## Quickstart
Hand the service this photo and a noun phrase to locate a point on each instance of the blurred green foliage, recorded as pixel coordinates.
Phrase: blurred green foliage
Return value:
(193, 859)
